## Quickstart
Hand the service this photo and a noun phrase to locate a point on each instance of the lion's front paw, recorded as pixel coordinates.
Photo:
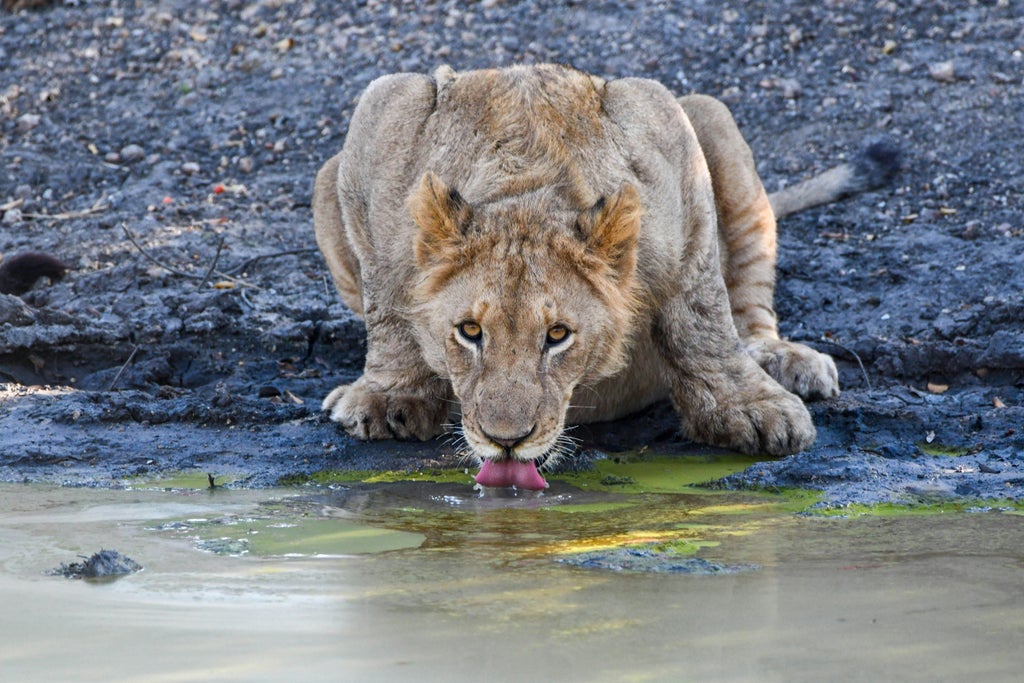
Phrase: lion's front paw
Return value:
(368, 413)
(774, 424)
(798, 368)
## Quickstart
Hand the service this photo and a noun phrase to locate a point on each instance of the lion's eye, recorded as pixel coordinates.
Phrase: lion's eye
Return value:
(557, 334)
(470, 331)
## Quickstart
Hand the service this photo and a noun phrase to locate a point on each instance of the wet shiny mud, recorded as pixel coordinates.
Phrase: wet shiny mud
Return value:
(429, 581)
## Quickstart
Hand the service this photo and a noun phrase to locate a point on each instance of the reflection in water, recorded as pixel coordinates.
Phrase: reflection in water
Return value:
(432, 582)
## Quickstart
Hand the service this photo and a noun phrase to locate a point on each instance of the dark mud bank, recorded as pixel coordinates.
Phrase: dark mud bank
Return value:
(166, 153)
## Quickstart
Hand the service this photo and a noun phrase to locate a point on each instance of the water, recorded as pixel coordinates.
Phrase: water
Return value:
(425, 582)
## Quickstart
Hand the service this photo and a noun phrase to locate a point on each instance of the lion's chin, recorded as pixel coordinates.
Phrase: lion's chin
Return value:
(508, 472)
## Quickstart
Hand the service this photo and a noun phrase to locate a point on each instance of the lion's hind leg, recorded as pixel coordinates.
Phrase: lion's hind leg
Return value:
(746, 229)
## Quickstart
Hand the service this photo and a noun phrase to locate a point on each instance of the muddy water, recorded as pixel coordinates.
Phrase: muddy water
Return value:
(429, 582)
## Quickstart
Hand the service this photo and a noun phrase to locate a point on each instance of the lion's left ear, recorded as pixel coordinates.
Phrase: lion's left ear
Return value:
(442, 216)
(611, 229)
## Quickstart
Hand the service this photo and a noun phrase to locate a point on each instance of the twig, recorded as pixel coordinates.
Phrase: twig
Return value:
(249, 262)
(12, 205)
(190, 276)
(213, 265)
(99, 206)
(117, 377)
(860, 363)
(131, 238)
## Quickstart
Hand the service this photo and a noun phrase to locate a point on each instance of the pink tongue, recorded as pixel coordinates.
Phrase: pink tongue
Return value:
(511, 472)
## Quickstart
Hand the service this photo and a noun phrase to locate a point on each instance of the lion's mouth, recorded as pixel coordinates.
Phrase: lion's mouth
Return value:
(511, 472)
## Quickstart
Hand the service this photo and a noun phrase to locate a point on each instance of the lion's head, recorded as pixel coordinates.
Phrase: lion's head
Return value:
(518, 303)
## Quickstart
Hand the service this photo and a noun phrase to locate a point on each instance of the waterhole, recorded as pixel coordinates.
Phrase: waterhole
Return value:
(432, 581)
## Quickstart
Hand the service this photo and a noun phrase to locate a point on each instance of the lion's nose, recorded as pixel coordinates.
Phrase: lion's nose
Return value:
(508, 443)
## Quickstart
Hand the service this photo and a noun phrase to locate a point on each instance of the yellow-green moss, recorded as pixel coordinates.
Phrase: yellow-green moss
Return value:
(328, 477)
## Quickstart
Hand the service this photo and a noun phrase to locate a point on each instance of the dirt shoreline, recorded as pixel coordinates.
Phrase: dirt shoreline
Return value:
(166, 151)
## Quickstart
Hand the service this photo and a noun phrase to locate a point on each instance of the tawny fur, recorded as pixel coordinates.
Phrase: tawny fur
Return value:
(607, 244)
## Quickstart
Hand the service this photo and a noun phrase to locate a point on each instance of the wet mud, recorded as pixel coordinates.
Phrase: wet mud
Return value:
(166, 154)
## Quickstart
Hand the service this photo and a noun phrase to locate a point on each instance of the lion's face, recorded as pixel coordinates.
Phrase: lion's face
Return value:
(519, 305)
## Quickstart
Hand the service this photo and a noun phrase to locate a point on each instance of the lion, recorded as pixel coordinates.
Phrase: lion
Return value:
(534, 246)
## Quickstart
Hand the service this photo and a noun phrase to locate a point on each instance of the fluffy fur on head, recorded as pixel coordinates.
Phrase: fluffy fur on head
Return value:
(516, 269)
(599, 243)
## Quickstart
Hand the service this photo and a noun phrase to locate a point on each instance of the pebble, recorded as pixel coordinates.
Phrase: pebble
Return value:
(791, 88)
(944, 72)
(190, 168)
(132, 153)
(27, 122)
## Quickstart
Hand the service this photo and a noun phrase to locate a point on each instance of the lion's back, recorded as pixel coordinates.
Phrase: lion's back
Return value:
(501, 133)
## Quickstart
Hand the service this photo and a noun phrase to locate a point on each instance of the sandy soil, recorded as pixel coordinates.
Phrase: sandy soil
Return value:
(166, 150)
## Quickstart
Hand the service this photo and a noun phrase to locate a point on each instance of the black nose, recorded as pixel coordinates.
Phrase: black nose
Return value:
(508, 443)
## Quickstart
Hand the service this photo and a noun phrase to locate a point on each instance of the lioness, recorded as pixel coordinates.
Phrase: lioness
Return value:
(536, 246)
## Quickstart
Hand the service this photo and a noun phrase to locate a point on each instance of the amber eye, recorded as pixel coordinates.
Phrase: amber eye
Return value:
(470, 331)
(557, 334)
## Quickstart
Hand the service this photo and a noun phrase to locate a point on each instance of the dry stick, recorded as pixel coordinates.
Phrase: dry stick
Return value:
(853, 353)
(131, 238)
(117, 377)
(190, 276)
(216, 257)
(69, 215)
(248, 262)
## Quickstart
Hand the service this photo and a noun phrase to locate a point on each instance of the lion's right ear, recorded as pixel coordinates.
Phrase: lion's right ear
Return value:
(441, 214)
(611, 229)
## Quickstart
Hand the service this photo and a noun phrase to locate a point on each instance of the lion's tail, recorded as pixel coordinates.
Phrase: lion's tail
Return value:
(873, 167)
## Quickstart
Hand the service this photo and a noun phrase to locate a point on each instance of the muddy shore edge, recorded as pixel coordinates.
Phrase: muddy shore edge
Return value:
(166, 153)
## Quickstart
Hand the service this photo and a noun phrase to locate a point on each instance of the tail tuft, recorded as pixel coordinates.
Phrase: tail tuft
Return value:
(873, 167)
(876, 165)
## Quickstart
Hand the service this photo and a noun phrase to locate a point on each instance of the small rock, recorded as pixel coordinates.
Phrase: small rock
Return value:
(791, 88)
(104, 564)
(972, 230)
(27, 122)
(944, 72)
(132, 153)
(112, 157)
(246, 164)
(190, 168)
(989, 469)
(12, 216)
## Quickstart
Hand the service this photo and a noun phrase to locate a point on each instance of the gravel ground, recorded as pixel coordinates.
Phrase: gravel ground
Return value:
(166, 151)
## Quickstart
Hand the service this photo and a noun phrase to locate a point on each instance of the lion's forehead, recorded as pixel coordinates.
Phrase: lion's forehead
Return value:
(518, 310)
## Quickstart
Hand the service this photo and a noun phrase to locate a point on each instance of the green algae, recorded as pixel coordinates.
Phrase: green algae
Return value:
(855, 510)
(318, 537)
(184, 480)
(681, 546)
(334, 477)
(290, 535)
(593, 508)
(642, 473)
(937, 450)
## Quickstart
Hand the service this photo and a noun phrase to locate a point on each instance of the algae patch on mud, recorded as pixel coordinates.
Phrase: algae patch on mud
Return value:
(937, 450)
(855, 510)
(278, 533)
(641, 473)
(336, 477)
(184, 480)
